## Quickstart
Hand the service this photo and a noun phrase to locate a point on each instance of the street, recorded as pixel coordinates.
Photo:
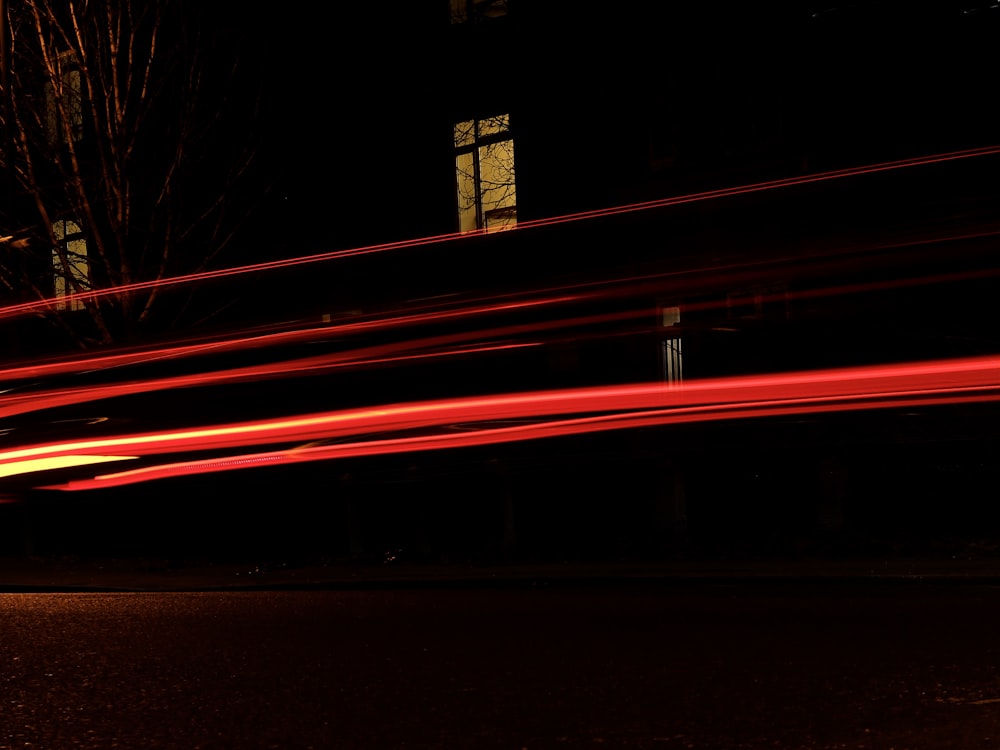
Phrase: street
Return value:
(680, 665)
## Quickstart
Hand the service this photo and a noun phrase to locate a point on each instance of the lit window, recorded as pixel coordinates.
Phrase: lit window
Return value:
(64, 101)
(463, 11)
(70, 266)
(484, 166)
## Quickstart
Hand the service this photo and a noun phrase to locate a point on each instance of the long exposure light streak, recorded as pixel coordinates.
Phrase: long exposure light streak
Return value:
(98, 294)
(449, 345)
(562, 412)
(543, 429)
(16, 403)
(445, 345)
(393, 320)
(544, 300)
(30, 465)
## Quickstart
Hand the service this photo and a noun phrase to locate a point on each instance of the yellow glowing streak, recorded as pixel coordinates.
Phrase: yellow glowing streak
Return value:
(171, 437)
(54, 462)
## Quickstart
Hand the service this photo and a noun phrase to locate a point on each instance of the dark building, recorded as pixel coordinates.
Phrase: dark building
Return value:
(662, 192)
(483, 116)
(779, 213)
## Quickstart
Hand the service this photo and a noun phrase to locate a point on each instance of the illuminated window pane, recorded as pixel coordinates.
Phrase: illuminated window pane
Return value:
(70, 265)
(498, 194)
(468, 199)
(465, 133)
(494, 125)
(484, 166)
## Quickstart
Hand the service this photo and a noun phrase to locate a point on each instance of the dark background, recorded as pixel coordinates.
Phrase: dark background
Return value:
(608, 105)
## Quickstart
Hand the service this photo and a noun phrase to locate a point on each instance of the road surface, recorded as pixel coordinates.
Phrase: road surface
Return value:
(698, 665)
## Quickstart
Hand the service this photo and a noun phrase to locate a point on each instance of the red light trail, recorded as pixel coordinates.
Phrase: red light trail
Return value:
(43, 305)
(546, 301)
(550, 414)
(392, 320)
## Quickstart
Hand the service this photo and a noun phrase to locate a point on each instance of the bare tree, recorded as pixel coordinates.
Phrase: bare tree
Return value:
(128, 152)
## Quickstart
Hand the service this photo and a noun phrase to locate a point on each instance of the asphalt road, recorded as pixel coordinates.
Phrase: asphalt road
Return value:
(887, 665)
